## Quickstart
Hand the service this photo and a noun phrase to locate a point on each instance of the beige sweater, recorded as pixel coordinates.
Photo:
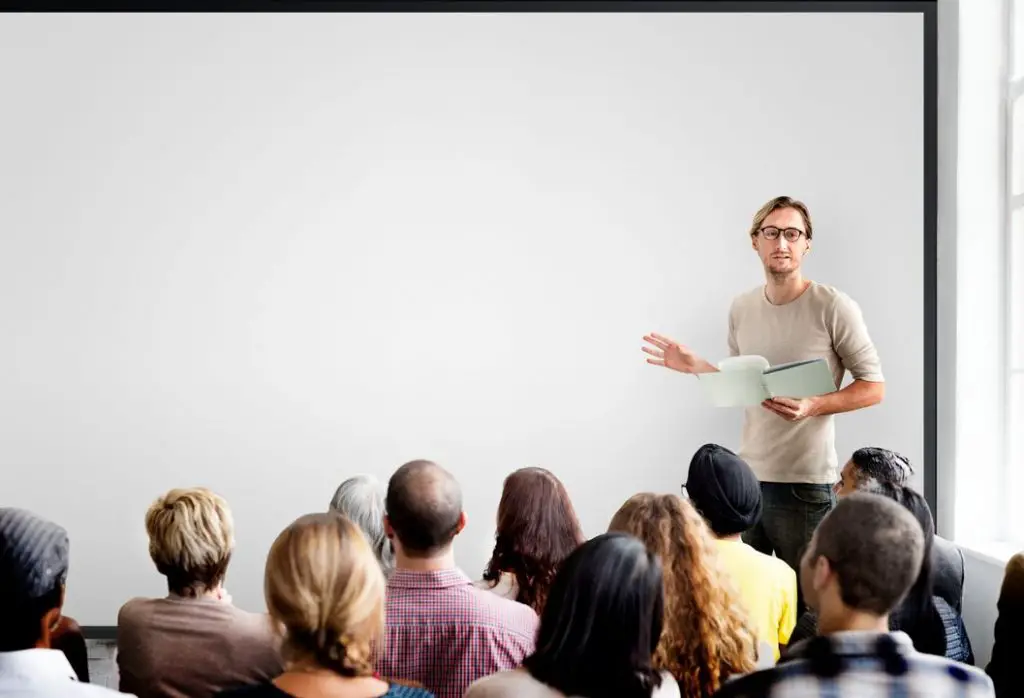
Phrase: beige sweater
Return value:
(192, 648)
(822, 322)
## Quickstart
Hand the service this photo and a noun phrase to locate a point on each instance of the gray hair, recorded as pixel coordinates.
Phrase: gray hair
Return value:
(360, 499)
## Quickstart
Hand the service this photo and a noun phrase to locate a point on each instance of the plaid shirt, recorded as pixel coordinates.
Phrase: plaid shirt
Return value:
(958, 644)
(444, 633)
(861, 665)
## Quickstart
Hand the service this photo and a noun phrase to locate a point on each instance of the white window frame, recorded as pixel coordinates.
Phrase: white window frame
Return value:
(1011, 518)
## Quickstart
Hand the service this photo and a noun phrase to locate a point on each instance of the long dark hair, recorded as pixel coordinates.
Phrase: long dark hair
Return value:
(537, 529)
(916, 614)
(602, 622)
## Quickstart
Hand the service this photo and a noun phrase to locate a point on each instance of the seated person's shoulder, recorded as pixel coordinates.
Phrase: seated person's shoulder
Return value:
(134, 610)
(254, 622)
(758, 683)
(669, 687)
(253, 633)
(504, 612)
(968, 674)
(959, 672)
(501, 684)
(779, 566)
(972, 681)
(775, 567)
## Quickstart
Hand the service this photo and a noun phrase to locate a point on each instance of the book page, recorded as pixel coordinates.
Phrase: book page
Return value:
(805, 379)
(735, 387)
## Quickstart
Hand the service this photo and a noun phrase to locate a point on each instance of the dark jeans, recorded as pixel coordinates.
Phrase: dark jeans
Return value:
(790, 515)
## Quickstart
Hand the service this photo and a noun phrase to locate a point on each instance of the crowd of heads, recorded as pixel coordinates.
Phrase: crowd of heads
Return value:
(616, 612)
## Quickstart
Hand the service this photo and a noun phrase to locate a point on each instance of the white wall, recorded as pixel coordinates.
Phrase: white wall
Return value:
(263, 253)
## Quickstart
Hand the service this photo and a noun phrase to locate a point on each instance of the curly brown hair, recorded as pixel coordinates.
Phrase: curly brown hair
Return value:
(707, 637)
(537, 529)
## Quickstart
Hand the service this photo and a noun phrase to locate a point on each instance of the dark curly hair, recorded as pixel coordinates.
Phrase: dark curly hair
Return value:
(537, 529)
(881, 466)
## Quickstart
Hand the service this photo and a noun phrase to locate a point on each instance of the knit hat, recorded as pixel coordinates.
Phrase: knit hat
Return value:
(33, 556)
(724, 490)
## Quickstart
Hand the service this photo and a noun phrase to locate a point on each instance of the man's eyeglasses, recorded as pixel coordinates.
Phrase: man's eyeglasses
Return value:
(772, 233)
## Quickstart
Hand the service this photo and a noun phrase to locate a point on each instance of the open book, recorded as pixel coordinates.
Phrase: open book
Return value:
(749, 380)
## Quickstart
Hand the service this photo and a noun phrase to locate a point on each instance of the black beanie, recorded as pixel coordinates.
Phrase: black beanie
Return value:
(724, 490)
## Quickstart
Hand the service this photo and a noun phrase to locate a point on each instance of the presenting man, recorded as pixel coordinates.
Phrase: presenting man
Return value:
(790, 444)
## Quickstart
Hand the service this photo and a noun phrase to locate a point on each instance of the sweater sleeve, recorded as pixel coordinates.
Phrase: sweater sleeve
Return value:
(852, 342)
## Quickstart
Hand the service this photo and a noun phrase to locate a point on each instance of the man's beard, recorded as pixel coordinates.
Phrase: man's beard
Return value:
(780, 276)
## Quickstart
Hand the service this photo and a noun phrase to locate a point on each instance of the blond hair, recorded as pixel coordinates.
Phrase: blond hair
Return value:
(191, 536)
(706, 637)
(323, 585)
(781, 202)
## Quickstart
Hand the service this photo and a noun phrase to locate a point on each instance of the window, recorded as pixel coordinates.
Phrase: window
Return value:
(1014, 221)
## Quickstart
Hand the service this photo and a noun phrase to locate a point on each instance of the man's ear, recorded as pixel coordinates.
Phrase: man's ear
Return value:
(822, 572)
(48, 626)
(461, 524)
(50, 622)
(388, 530)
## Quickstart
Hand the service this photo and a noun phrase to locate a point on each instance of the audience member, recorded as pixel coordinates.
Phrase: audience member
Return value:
(324, 587)
(706, 637)
(537, 528)
(34, 557)
(194, 642)
(442, 631)
(862, 560)
(872, 466)
(599, 629)
(727, 494)
(881, 470)
(933, 626)
(361, 500)
(1009, 633)
(69, 639)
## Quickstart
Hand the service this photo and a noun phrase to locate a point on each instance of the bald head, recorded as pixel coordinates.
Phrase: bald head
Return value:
(424, 507)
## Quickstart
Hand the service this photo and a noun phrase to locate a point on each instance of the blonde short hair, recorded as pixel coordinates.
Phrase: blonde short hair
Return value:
(191, 536)
(780, 202)
(324, 587)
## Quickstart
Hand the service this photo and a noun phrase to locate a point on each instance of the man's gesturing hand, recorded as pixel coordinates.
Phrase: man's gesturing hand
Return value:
(671, 354)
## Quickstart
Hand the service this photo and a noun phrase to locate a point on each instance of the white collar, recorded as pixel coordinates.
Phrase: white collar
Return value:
(36, 665)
